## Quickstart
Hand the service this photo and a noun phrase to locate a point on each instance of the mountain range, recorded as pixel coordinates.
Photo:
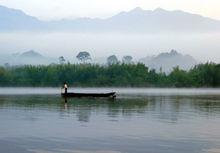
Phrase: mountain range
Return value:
(30, 57)
(165, 61)
(134, 21)
(168, 60)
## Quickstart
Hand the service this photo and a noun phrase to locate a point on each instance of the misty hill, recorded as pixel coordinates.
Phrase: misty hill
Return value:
(167, 61)
(31, 54)
(26, 58)
(13, 19)
(136, 20)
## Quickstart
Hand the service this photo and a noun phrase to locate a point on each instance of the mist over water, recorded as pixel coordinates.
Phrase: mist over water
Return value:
(121, 92)
(203, 47)
(168, 123)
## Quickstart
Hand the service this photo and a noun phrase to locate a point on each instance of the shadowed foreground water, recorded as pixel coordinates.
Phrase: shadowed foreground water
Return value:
(150, 124)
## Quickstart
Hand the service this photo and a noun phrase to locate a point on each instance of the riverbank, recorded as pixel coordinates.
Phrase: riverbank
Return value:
(116, 75)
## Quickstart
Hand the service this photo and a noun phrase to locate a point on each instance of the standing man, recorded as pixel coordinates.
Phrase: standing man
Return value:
(65, 87)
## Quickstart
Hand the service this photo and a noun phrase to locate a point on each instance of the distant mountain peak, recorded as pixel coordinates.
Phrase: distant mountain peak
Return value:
(137, 9)
(173, 52)
(169, 54)
(31, 53)
(160, 10)
(5, 8)
(168, 60)
(13, 12)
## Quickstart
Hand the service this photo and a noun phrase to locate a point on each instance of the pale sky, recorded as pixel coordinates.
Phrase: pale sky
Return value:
(56, 9)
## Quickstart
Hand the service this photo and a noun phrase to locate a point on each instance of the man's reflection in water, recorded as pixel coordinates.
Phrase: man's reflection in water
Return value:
(65, 104)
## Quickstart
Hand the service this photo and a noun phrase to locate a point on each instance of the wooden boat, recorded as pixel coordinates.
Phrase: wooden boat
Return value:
(89, 95)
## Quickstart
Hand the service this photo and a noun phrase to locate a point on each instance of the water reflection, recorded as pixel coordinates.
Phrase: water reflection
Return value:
(163, 107)
(49, 123)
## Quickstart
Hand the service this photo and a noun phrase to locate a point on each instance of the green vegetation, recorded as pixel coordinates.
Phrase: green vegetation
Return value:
(127, 75)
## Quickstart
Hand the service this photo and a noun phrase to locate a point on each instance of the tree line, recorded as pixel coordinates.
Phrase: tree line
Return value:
(123, 75)
(85, 57)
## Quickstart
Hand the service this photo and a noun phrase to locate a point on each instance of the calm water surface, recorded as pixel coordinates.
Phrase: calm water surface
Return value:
(138, 121)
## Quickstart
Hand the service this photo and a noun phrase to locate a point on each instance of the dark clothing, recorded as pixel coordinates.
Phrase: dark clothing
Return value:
(65, 87)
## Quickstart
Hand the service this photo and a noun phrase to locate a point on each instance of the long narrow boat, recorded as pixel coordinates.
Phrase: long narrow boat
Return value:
(91, 95)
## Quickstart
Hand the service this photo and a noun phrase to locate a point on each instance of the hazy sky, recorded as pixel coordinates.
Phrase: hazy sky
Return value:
(56, 9)
(202, 47)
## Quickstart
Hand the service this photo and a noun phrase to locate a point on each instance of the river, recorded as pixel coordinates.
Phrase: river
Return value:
(140, 120)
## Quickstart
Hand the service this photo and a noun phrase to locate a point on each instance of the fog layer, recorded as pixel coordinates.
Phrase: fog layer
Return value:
(203, 47)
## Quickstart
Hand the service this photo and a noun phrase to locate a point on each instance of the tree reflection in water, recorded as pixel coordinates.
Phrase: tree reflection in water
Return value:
(161, 107)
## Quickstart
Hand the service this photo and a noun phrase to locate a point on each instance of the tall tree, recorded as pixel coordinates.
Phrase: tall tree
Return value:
(112, 60)
(61, 60)
(127, 60)
(83, 56)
